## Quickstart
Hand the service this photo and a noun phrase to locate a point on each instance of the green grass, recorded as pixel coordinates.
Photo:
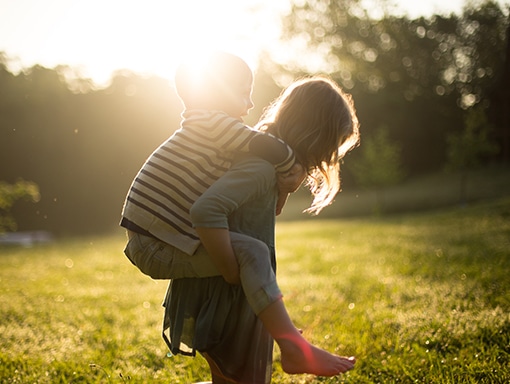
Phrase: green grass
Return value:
(417, 298)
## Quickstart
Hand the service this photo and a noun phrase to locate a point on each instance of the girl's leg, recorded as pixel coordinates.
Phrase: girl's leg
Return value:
(297, 354)
(217, 376)
(263, 294)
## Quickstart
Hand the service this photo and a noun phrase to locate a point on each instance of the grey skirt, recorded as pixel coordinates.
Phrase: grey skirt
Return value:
(209, 315)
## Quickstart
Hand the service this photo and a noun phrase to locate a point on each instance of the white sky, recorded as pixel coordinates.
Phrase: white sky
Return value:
(147, 36)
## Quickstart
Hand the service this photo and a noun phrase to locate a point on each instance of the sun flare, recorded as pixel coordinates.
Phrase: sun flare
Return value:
(97, 37)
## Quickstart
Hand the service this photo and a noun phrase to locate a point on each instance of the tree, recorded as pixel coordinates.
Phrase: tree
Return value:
(415, 76)
(461, 54)
(81, 149)
(499, 112)
(9, 194)
(467, 148)
(379, 165)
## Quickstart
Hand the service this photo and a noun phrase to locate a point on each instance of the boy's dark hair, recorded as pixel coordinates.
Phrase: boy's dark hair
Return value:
(204, 82)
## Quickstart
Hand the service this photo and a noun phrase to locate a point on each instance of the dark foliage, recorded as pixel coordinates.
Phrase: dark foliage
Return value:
(414, 78)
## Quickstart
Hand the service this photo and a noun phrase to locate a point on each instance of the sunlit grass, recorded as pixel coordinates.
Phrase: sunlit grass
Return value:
(77, 311)
(416, 298)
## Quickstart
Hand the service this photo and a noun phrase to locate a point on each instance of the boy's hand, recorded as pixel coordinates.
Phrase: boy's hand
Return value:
(289, 182)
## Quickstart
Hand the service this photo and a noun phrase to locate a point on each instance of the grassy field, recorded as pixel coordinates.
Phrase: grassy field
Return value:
(431, 191)
(417, 298)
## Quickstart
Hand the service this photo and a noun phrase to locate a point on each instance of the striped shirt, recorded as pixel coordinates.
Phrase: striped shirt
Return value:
(178, 172)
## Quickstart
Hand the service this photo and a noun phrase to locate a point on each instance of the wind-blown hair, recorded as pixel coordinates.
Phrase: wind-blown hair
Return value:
(318, 121)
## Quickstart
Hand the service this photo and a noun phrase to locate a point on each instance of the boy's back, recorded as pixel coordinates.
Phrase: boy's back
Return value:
(194, 157)
(179, 171)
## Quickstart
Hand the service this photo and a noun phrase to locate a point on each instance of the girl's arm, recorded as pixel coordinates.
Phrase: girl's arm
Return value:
(288, 183)
(209, 214)
(217, 243)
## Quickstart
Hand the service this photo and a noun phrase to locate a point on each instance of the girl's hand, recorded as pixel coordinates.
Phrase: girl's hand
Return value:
(282, 199)
(289, 182)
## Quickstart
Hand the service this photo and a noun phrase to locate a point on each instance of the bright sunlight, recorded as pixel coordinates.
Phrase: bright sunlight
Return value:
(98, 37)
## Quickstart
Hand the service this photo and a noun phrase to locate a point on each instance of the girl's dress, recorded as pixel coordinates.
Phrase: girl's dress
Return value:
(212, 316)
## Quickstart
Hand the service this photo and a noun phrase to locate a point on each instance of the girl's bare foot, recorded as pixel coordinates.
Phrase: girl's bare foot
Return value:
(298, 356)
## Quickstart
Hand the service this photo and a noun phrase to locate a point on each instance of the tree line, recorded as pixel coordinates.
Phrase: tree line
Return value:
(414, 83)
(415, 77)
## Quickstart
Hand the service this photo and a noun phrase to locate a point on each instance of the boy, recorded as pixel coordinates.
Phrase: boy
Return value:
(162, 241)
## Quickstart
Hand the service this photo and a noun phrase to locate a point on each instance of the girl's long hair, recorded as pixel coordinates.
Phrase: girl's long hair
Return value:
(318, 121)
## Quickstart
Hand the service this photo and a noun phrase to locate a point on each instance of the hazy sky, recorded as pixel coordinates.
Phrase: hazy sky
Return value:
(147, 36)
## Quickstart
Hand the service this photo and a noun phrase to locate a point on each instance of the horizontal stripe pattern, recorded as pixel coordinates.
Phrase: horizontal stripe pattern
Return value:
(179, 171)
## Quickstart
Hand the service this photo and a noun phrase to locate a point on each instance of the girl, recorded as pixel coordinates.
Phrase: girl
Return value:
(317, 120)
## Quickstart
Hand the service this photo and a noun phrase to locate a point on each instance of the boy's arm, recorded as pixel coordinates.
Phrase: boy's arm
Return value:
(273, 150)
(238, 137)
(231, 135)
(290, 175)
